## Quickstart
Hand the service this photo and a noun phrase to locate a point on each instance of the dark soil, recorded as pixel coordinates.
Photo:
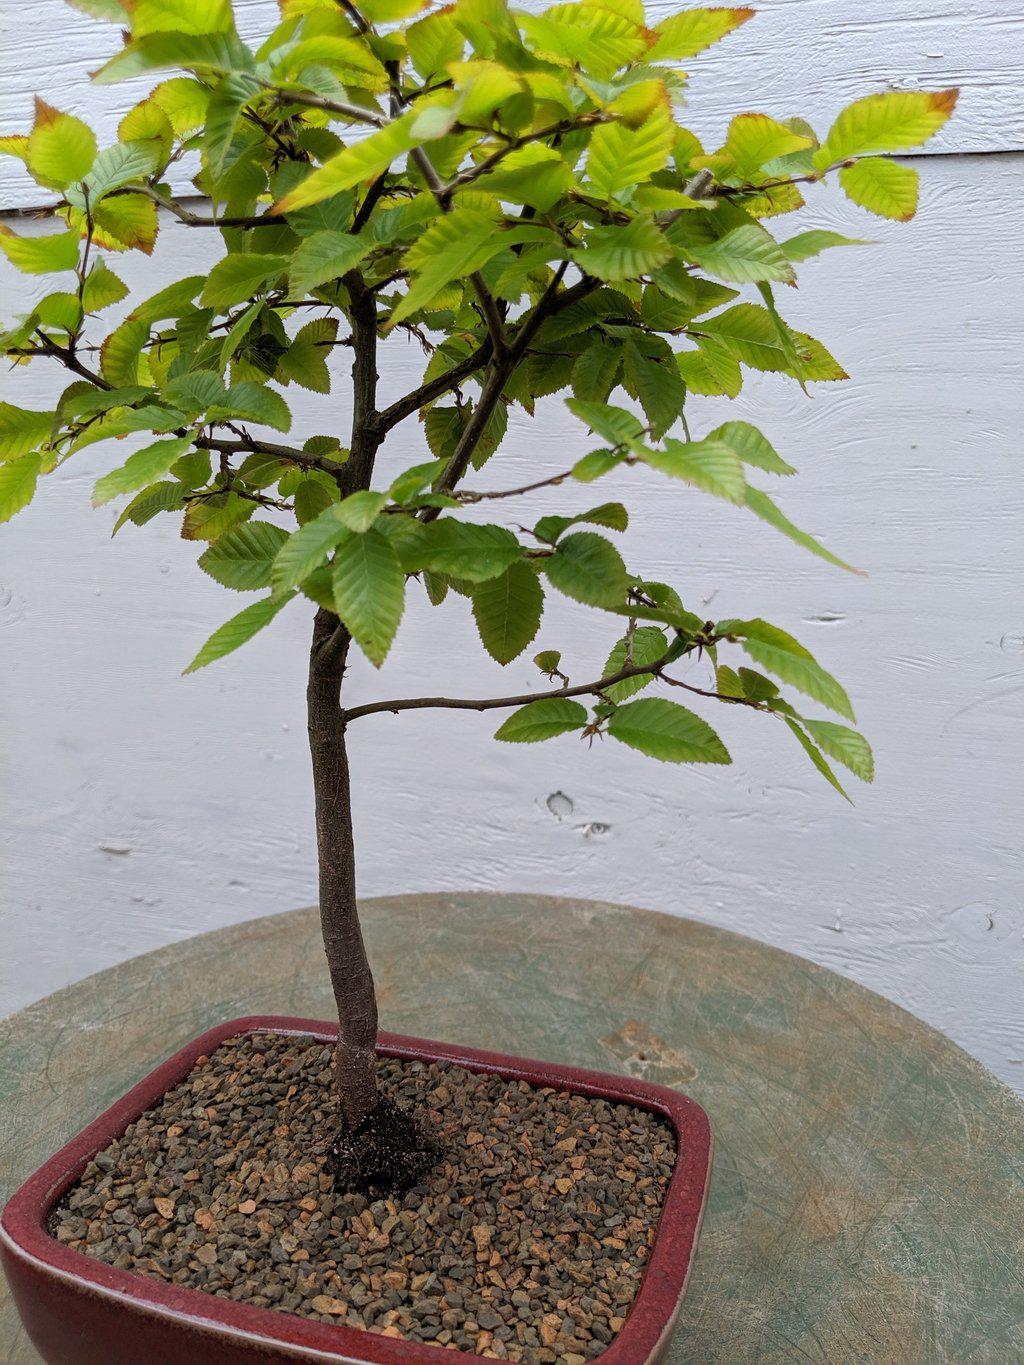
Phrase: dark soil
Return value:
(526, 1242)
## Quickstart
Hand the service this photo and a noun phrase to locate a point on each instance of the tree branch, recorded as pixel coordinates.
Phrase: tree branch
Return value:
(500, 703)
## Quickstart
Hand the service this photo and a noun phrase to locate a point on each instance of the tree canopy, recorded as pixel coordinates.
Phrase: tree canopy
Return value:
(516, 190)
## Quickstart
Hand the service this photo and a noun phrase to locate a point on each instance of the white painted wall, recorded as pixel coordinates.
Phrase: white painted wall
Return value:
(139, 807)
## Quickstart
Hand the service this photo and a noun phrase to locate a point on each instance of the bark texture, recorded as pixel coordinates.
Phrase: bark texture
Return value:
(351, 978)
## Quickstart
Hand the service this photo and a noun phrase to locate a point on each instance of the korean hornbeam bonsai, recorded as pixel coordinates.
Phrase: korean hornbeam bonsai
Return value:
(515, 190)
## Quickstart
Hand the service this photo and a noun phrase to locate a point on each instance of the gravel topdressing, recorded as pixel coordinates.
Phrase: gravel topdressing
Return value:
(527, 1242)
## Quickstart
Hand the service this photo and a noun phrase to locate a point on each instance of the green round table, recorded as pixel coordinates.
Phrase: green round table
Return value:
(867, 1201)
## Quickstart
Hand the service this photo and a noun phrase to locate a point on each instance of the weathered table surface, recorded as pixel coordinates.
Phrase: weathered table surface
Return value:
(868, 1193)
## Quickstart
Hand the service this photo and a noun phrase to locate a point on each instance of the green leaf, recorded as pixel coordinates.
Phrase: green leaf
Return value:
(306, 549)
(40, 255)
(102, 288)
(21, 430)
(889, 122)
(507, 610)
(324, 256)
(542, 719)
(807, 244)
(620, 158)
(369, 591)
(119, 354)
(711, 465)
(610, 514)
(684, 35)
(240, 629)
(355, 163)
(745, 254)
(816, 756)
(665, 730)
(780, 654)
(18, 484)
(237, 277)
(360, 510)
(657, 385)
(146, 466)
(212, 517)
(217, 52)
(623, 253)
(613, 424)
(162, 497)
(434, 42)
(646, 645)
(452, 248)
(463, 550)
(227, 100)
(548, 660)
(751, 446)
(241, 559)
(255, 403)
(589, 569)
(750, 333)
(534, 175)
(846, 746)
(884, 188)
(755, 139)
(61, 148)
(761, 505)
(711, 369)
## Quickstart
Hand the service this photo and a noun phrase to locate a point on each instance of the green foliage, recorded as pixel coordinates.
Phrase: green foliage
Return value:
(516, 192)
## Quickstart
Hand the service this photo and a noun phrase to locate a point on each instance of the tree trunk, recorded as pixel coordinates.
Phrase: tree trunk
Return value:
(351, 978)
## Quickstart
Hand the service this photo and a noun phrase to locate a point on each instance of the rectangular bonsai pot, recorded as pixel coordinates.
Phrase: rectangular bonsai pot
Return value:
(81, 1311)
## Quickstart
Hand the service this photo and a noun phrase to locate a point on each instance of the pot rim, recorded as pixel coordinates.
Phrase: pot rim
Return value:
(24, 1235)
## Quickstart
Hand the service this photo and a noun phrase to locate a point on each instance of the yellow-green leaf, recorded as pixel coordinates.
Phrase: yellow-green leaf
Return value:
(61, 148)
(890, 122)
(18, 484)
(882, 187)
(42, 254)
(241, 628)
(621, 158)
(755, 139)
(684, 35)
(355, 163)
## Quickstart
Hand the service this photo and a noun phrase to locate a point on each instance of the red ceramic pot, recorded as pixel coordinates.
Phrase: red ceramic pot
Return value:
(80, 1311)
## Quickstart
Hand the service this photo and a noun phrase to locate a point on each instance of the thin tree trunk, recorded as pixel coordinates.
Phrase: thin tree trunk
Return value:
(351, 978)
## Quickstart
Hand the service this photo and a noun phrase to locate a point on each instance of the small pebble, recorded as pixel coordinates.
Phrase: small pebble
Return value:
(527, 1242)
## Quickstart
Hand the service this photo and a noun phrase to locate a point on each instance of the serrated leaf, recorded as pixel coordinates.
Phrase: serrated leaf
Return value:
(324, 256)
(744, 255)
(254, 403)
(751, 446)
(807, 244)
(227, 100)
(750, 333)
(454, 247)
(755, 139)
(610, 514)
(761, 505)
(507, 610)
(40, 255)
(369, 591)
(305, 550)
(658, 386)
(846, 746)
(61, 148)
(610, 422)
(216, 52)
(711, 465)
(665, 730)
(815, 755)
(623, 253)
(780, 654)
(711, 369)
(22, 429)
(146, 466)
(102, 288)
(241, 558)
(541, 720)
(620, 158)
(18, 484)
(589, 569)
(684, 35)
(239, 630)
(360, 510)
(162, 497)
(433, 42)
(354, 164)
(534, 175)
(646, 645)
(466, 551)
(211, 518)
(883, 187)
(890, 122)
(238, 276)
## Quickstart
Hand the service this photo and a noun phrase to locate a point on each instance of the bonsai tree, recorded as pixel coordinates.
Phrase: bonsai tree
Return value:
(516, 192)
